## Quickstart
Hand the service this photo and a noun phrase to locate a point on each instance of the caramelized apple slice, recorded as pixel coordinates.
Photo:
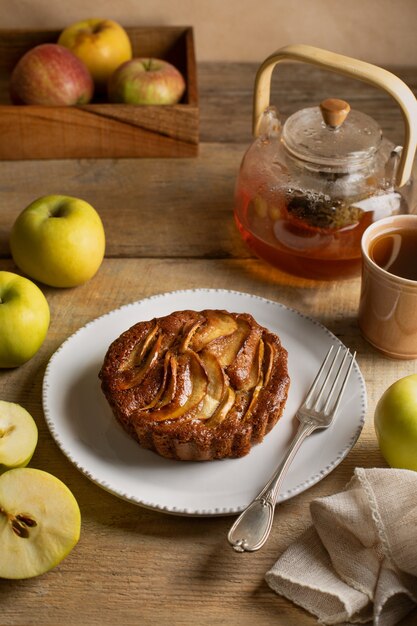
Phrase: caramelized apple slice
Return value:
(223, 409)
(190, 389)
(244, 370)
(226, 348)
(139, 351)
(256, 368)
(189, 335)
(215, 387)
(263, 379)
(269, 361)
(218, 324)
(166, 391)
(134, 377)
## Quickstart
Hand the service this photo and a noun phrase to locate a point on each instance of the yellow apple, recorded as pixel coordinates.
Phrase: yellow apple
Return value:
(40, 522)
(24, 319)
(395, 422)
(58, 240)
(101, 44)
(18, 436)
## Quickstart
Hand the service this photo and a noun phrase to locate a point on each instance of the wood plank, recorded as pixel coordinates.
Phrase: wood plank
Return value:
(226, 92)
(150, 207)
(41, 132)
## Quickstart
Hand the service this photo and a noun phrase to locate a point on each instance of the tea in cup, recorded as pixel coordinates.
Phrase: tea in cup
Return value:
(388, 302)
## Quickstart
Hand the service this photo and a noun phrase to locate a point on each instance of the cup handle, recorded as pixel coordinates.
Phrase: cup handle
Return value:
(353, 68)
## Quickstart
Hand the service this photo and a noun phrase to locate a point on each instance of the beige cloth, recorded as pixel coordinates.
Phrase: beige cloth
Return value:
(358, 562)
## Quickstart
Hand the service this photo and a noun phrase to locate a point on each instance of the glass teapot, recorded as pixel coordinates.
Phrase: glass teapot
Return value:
(307, 189)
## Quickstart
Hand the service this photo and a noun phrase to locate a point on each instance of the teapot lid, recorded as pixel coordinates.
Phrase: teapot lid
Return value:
(332, 135)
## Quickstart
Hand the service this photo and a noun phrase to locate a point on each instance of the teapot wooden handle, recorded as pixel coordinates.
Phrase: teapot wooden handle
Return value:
(353, 68)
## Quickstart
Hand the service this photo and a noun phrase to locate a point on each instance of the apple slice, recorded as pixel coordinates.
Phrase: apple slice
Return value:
(263, 378)
(40, 522)
(137, 354)
(191, 386)
(216, 384)
(223, 409)
(227, 348)
(218, 324)
(18, 436)
(244, 369)
(167, 387)
(132, 378)
(185, 343)
(269, 361)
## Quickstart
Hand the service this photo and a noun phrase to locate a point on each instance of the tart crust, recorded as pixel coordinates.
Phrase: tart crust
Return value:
(197, 385)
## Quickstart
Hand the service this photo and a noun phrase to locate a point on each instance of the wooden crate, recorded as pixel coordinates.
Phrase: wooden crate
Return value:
(101, 129)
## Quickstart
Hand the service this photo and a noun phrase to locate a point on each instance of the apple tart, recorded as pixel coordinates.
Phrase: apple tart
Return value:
(197, 386)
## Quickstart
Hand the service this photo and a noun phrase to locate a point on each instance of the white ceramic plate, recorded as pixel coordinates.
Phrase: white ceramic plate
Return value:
(82, 423)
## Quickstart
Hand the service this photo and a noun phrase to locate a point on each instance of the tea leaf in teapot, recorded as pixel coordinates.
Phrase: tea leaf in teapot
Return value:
(320, 210)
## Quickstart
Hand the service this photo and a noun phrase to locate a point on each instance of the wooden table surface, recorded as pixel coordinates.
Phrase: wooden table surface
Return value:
(169, 226)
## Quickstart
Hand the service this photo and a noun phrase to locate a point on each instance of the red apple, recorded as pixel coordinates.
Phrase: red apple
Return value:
(146, 81)
(50, 74)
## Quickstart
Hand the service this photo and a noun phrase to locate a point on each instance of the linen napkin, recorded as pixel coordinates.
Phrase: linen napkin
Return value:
(357, 563)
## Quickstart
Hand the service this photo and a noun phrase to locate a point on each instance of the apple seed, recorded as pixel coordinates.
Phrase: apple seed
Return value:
(25, 519)
(20, 523)
(19, 529)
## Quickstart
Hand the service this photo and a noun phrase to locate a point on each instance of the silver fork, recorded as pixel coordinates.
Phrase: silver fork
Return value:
(251, 529)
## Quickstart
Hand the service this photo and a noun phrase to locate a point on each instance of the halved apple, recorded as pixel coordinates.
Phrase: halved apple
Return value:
(18, 436)
(40, 522)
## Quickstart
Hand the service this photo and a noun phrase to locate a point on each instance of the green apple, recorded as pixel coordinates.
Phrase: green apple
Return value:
(395, 422)
(18, 436)
(58, 240)
(40, 522)
(24, 319)
(146, 81)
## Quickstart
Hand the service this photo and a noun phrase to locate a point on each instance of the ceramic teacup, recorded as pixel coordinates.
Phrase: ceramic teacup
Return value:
(388, 302)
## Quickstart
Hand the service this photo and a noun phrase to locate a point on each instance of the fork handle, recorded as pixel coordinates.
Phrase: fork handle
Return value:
(251, 529)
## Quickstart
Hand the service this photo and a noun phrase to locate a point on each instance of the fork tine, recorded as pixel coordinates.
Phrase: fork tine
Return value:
(345, 380)
(314, 384)
(326, 380)
(334, 383)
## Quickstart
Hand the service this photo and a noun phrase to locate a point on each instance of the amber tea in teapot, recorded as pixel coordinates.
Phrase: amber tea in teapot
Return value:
(308, 189)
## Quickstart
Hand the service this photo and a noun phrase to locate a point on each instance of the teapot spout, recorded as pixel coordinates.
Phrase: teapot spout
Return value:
(270, 124)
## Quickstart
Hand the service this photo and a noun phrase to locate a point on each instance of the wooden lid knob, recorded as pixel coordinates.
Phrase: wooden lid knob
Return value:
(334, 111)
